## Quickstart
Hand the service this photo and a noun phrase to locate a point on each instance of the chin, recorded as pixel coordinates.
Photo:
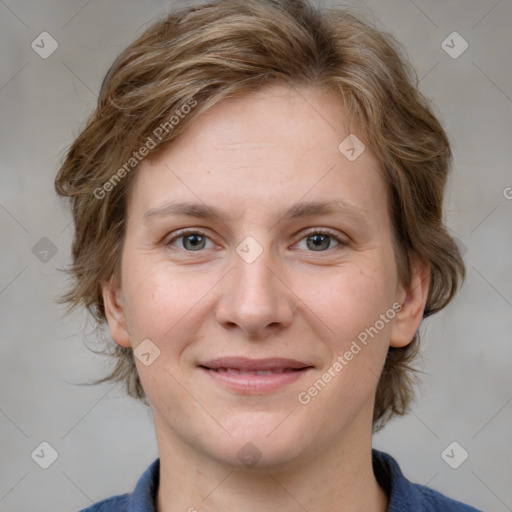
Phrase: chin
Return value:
(261, 441)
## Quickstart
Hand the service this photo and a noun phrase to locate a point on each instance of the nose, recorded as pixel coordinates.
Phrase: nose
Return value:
(255, 298)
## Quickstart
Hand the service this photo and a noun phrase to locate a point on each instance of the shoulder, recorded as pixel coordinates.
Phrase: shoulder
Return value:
(405, 495)
(113, 504)
(435, 501)
(142, 499)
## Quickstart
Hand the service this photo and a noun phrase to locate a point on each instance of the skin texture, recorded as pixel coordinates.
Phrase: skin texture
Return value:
(254, 156)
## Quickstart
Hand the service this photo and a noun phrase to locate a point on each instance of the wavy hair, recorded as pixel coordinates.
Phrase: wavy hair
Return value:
(202, 54)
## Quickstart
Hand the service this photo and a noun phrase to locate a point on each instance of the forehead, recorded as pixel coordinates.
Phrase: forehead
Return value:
(276, 115)
(278, 144)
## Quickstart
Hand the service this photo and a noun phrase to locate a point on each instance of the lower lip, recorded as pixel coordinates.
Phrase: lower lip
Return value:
(253, 384)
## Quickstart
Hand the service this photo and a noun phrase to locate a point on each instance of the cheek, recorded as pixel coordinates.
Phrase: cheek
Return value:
(163, 300)
(355, 330)
(154, 298)
(356, 337)
(351, 298)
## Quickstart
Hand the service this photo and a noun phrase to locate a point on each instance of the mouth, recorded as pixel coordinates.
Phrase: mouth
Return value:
(254, 376)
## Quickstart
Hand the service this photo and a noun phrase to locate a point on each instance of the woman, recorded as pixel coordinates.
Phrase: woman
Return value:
(258, 217)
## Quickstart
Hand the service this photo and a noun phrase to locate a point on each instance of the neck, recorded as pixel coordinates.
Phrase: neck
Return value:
(339, 479)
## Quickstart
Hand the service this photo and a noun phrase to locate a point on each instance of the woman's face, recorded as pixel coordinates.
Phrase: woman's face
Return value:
(261, 331)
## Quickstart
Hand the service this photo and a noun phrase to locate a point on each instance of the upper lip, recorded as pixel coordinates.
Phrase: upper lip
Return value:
(247, 364)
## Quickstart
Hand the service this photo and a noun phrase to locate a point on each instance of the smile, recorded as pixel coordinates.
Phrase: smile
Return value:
(254, 372)
(254, 376)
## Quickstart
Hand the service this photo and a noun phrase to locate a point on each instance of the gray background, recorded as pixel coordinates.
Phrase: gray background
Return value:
(104, 440)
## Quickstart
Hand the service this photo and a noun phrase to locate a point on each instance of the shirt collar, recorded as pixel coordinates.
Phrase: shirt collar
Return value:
(401, 493)
(143, 497)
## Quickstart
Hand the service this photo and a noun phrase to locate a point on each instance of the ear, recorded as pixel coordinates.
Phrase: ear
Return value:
(413, 299)
(115, 312)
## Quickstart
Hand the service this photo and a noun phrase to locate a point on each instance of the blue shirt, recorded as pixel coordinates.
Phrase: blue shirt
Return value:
(404, 496)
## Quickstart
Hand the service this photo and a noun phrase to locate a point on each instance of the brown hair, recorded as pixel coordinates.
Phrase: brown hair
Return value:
(196, 56)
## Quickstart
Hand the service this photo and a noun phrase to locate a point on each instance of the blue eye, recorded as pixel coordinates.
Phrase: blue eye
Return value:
(318, 240)
(192, 240)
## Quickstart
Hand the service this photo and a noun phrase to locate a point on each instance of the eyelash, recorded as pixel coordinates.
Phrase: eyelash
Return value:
(323, 231)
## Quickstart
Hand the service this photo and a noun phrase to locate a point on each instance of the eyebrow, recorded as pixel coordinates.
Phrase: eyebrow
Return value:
(298, 210)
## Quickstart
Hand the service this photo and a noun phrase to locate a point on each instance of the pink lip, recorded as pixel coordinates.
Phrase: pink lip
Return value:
(239, 373)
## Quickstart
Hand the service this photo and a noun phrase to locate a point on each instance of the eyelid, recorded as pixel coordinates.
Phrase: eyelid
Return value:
(327, 231)
(184, 232)
(315, 230)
